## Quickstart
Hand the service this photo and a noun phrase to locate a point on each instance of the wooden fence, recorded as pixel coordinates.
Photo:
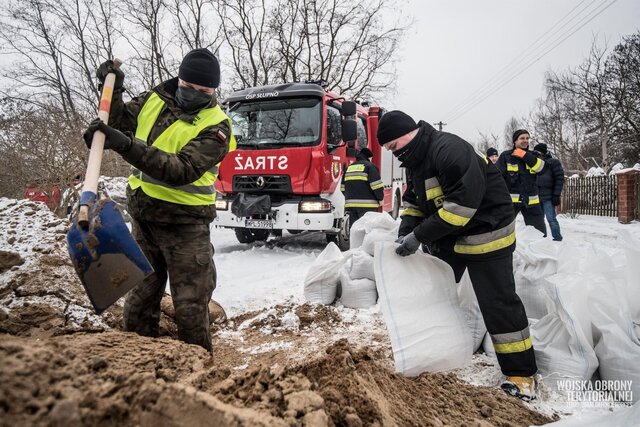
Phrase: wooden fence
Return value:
(596, 195)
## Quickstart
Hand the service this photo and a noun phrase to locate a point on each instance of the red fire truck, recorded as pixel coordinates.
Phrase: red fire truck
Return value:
(294, 143)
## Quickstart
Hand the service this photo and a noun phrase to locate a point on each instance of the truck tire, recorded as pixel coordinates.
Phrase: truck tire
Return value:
(250, 235)
(342, 237)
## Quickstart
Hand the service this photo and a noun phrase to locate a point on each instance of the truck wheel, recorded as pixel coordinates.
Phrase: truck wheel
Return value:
(396, 206)
(250, 235)
(342, 237)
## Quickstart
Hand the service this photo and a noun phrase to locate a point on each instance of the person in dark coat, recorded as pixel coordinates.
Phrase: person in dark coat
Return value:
(492, 154)
(362, 187)
(458, 206)
(519, 167)
(550, 182)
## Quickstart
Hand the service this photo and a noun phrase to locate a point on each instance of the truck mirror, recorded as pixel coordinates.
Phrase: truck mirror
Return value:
(349, 130)
(348, 108)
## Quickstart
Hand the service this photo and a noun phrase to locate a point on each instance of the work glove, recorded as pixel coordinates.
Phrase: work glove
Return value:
(555, 200)
(115, 140)
(519, 152)
(107, 67)
(409, 245)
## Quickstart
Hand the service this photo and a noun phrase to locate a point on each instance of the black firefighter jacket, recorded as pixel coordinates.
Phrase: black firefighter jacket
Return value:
(521, 176)
(362, 186)
(551, 179)
(455, 197)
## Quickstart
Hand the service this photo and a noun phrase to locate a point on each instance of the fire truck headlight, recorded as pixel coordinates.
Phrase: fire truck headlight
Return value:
(221, 204)
(314, 206)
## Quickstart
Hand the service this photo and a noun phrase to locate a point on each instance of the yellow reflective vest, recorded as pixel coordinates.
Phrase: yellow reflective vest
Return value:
(199, 192)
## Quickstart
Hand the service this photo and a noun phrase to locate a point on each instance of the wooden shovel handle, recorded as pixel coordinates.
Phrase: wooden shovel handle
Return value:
(97, 144)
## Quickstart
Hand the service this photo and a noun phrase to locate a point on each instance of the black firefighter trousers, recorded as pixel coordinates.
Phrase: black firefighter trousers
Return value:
(533, 215)
(502, 310)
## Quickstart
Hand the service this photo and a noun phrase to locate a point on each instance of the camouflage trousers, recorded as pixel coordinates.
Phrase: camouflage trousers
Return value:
(183, 253)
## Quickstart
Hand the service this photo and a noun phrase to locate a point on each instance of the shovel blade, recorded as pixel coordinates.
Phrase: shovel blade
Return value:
(107, 259)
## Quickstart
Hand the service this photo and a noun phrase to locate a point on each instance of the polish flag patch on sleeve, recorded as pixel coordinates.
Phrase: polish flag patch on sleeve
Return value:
(221, 135)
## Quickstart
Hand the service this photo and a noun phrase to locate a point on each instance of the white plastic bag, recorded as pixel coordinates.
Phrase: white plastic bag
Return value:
(321, 280)
(469, 304)
(427, 327)
(357, 293)
(377, 235)
(562, 339)
(368, 222)
(361, 266)
(631, 247)
(616, 345)
(535, 259)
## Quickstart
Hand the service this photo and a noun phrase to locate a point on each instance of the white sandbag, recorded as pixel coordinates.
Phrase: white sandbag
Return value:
(368, 222)
(631, 247)
(357, 293)
(427, 327)
(377, 235)
(535, 259)
(361, 266)
(616, 345)
(487, 346)
(321, 280)
(625, 416)
(562, 339)
(469, 303)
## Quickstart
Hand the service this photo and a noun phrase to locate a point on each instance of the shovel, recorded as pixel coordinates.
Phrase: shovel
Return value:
(105, 256)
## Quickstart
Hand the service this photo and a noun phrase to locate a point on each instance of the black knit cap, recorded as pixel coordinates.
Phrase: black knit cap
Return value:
(492, 152)
(541, 148)
(517, 133)
(200, 67)
(393, 125)
(364, 151)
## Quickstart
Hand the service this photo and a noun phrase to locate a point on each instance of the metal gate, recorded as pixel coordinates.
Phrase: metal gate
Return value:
(595, 195)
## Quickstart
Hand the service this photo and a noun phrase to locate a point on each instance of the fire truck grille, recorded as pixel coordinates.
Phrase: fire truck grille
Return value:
(262, 183)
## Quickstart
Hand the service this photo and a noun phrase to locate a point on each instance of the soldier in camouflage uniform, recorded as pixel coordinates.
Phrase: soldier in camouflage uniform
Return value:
(174, 136)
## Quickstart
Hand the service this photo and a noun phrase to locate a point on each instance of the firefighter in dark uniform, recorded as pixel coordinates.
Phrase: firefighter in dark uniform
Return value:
(520, 168)
(457, 206)
(174, 136)
(362, 187)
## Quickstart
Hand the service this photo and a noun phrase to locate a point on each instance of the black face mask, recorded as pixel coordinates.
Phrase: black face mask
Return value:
(190, 100)
(404, 154)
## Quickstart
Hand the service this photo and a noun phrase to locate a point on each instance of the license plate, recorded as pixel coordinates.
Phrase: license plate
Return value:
(258, 223)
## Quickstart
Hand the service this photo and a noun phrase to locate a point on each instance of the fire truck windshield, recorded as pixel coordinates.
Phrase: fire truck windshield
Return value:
(277, 123)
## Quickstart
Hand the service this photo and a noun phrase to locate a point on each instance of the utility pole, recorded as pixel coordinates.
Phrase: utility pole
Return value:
(440, 125)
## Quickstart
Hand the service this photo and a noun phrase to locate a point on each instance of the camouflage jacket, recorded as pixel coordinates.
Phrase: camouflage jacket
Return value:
(194, 159)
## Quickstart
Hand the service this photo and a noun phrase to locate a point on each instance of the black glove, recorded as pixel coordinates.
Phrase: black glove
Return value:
(409, 245)
(115, 140)
(107, 67)
(555, 200)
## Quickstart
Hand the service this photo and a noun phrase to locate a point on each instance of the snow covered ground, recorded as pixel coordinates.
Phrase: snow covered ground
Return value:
(258, 276)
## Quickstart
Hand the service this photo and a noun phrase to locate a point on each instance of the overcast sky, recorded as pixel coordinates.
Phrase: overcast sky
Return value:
(455, 47)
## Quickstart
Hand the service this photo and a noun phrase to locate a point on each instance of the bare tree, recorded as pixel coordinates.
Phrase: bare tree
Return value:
(590, 84)
(345, 44)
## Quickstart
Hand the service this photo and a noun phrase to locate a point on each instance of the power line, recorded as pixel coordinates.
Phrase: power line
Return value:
(535, 59)
(525, 52)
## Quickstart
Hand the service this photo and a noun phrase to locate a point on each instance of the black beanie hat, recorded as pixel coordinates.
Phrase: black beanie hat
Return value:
(393, 125)
(492, 152)
(541, 148)
(517, 133)
(366, 152)
(200, 67)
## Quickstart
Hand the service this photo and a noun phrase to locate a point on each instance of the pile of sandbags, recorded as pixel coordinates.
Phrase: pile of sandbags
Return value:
(584, 305)
(417, 294)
